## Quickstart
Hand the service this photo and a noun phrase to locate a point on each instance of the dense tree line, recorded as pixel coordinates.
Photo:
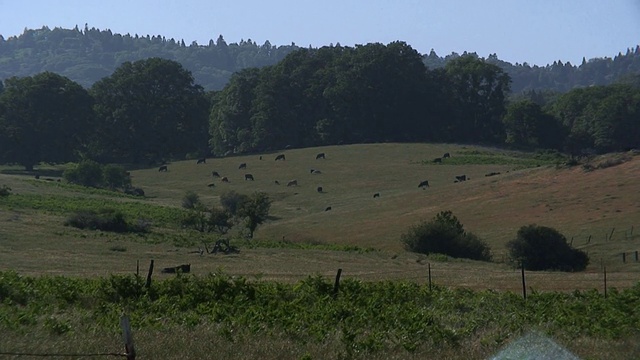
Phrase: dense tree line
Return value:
(152, 110)
(89, 54)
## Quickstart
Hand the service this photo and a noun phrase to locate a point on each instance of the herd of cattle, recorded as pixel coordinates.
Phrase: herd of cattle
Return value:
(292, 183)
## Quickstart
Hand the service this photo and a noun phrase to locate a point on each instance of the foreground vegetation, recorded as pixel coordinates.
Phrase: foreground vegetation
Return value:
(363, 319)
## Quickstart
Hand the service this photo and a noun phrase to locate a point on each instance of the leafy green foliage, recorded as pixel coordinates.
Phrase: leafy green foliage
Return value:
(44, 118)
(528, 126)
(255, 211)
(5, 191)
(166, 118)
(90, 173)
(190, 200)
(444, 234)
(67, 205)
(407, 315)
(105, 220)
(232, 201)
(544, 248)
(204, 220)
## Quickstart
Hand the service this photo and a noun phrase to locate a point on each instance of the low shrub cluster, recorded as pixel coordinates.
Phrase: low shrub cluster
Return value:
(105, 220)
(445, 235)
(90, 173)
(544, 248)
(5, 191)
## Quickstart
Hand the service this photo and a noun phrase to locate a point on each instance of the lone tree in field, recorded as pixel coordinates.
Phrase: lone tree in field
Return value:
(544, 248)
(444, 234)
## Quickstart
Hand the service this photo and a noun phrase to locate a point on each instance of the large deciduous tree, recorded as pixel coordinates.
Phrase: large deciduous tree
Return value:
(528, 126)
(149, 110)
(44, 118)
(478, 90)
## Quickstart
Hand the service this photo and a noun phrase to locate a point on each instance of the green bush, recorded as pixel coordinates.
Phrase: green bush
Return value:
(115, 177)
(544, 248)
(86, 173)
(232, 201)
(105, 220)
(190, 200)
(5, 191)
(444, 234)
(91, 174)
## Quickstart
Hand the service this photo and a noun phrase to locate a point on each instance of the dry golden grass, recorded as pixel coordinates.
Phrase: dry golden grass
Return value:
(578, 203)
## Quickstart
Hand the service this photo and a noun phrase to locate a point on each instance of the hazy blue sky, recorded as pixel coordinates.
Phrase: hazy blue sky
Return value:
(534, 31)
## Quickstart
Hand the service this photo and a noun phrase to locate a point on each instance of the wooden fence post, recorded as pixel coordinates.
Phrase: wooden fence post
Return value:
(524, 285)
(336, 285)
(636, 255)
(624, 257)
(137, 268)
(611, 235)
(589, 239)
(148, 284)
(128, 338)
(429, 264)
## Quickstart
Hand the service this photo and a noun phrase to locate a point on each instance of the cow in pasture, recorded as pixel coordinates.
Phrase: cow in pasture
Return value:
(292, 183)
(260, 157)
(424, 184)
(437, 161)
(211, 185)
(280, 157)
(376, 195)
(215, 174)
(446, 155)
(462, 178)
(316, 172)
(319, 189)
(177, 269)
(225, 179)
(242, 166)
(248, 177)
(320, 156)
(163, 168)
(201, 161)
(277, 182)
(328, 208)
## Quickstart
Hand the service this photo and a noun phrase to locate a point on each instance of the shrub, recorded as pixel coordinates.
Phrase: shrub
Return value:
(86, 173)
(115, 177)
(190, 200)
(5, 191)
(90, 173)
(105, 220)
(232, 201)
(544, 248)
(444, 234)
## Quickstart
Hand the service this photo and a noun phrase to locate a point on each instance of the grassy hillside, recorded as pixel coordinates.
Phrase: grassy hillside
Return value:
(528, 190)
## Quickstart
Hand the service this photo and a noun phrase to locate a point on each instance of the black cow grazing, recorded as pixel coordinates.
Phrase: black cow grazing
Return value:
(211, 185)
(177, 269)
(215, 174)
(376, 195)
(319, 189)
(260, 157)
(292, 183)
(163, 168)
(437, 160)
(328, 208)
(446, 155)
(277, 182)
(462, 178)
(225, 179)
(242, 166)
(248, 177)
(424, 184)
(201, 161)
(280, 157)
(320, 156)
